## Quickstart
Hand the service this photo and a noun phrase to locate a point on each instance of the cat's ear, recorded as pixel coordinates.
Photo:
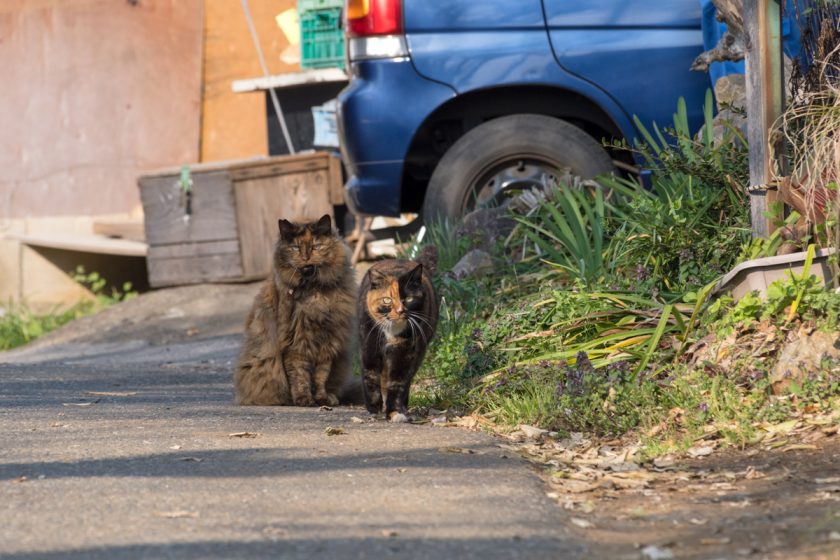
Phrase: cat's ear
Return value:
(287, 228)
(377, 278)
(415, 276)
(323, 226)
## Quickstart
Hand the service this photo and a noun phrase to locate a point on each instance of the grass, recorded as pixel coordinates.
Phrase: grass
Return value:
(19, 325)
(597, 328)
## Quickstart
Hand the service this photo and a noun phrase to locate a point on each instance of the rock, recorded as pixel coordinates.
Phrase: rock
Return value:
(484, 227)
(803, 357)
(731, 91)
(532, 432)
(473, 264)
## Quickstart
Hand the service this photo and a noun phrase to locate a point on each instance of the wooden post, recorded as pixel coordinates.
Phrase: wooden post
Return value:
(765, 104)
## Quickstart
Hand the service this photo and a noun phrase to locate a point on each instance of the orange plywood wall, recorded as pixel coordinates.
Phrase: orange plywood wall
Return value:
(234, 124)
(95, 92)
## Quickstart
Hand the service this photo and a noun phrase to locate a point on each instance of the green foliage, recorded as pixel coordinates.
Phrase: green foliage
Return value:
(797, 296)
(20, 325)
(569, 231)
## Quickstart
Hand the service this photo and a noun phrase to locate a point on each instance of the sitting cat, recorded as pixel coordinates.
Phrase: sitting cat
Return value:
(398, 314)
(299, 329)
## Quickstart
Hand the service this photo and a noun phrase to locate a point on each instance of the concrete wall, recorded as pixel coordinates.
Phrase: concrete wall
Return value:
(94, 93)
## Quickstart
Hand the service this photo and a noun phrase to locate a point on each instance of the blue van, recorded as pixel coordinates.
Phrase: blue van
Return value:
(452, 104)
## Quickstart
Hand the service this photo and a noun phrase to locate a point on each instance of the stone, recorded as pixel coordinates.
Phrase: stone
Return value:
(731, 91)
(484, 227)
(803, 357)
(476, 263)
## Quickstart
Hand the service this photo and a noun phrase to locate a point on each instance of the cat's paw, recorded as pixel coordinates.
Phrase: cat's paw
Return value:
(303, 400)
(326, 399)
(397, 417)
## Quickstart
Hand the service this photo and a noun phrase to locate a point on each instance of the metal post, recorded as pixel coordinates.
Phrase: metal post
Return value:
(765, 104)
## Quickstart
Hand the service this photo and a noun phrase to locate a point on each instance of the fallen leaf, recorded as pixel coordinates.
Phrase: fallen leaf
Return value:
(243, 434)
(651, 552)
(177, 514)
(82, 404)
(532, 432)
(326, 408)
(20, 479)
(333, 431)
(700, 451)
(751, 473)
(799, 446)
(356, 420)
(191, 459)
(582, 523)
(389, 533)
(176, 447)
(460, 450)
(59, 425)
(697, 521)
(829, 480)
(716, 540)
(111, 393)
(665, 461)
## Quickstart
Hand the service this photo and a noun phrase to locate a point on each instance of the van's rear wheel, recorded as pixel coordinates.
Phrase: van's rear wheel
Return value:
(507, 155)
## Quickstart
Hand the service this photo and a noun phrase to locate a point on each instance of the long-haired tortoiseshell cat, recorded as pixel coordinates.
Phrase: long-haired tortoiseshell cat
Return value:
(398, 314)
(299, 329)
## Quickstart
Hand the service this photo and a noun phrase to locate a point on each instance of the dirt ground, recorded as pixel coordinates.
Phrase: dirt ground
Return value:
(780, 503)
(734, 504)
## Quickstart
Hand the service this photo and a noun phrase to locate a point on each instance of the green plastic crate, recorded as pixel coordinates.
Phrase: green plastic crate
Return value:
(321, 39)
(304, 6)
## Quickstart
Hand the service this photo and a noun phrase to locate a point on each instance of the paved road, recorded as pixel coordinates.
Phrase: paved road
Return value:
(148, 470)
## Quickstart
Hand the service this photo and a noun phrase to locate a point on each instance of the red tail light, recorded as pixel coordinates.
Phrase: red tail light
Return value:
(374, 17)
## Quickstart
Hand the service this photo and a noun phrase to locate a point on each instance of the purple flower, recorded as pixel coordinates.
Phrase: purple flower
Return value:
(703, 407)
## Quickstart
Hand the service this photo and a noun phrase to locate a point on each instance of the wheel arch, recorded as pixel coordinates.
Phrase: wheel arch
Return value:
(456, 117)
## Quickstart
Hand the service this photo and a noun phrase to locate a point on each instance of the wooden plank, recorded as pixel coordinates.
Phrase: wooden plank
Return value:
(261, 202)
(203, 249)
(83, 244)
(276, 167)
(765, 103)
(291, 79)
(336, 179)
(213, 217)
(194, 270)
(125, 229)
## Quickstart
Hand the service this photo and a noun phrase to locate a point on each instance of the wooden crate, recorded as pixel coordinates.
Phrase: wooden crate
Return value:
(230, 231)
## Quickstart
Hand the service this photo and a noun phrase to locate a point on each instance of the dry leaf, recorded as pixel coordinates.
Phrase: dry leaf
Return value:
(697, 521)
(177, 514)
(389, 533)
(700, 451)
(326, 408)
(243, 434)
(829, 480)
(716, 540)
(356, 420)
(83, 404)
(582, 523)
(191, 459)
(333, 431)
(799, 446)
(651, 552)
(176, 447)
(111, 393)
(460, 450)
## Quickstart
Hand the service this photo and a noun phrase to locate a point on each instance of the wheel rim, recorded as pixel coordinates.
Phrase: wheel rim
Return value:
(508, 177)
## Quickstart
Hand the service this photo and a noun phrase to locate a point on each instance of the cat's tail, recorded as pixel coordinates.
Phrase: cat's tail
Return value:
(352, 392)
(428, 257)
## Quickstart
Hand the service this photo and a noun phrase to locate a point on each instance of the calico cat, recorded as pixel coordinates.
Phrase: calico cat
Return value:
(398, 314)
(299, 328)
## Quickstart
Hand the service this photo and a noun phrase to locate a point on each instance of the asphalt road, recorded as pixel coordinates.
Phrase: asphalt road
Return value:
(124, 450)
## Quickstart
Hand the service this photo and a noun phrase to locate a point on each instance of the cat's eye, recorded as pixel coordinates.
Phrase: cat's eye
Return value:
(295, 248)
(387, 301)
(317, 246)
(409, 299)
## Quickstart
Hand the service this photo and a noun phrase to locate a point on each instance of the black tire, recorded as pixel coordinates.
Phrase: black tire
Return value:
(544, 141)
